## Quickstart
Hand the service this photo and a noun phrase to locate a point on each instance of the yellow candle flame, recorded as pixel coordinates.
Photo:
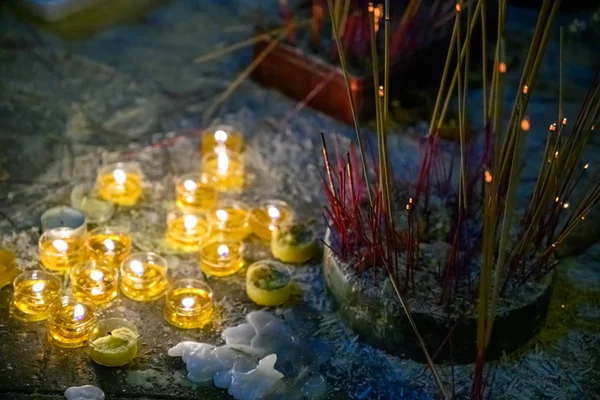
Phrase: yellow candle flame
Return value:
(137, 267)
(60, 245)
(38, 287)
(109, 244)
(190, 222)
(220, 136)
(78, 312)
(223, 163)
(190, 185)
(222, 215)
(223, 250)
(96, 275)
(120, 176)
(188, 302)
(273, 212)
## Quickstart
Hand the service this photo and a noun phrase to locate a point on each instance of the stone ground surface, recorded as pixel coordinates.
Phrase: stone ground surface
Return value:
(67, 106)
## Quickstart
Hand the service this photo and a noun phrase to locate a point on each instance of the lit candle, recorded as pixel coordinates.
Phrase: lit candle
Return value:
(230, 220)
(96, 282)
(188, 304)
(70, 322)
(268, 283)
(221, 258)
(193, 191)
(144, 276)
(224, 170)
(268, 215)
(114, 343)
(120, 183)
(33, 293)
(62, 249)
(187, 230)
(108, 245)
(222, 137)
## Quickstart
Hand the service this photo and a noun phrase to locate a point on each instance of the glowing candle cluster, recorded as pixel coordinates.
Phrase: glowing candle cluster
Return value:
(268, 216)
(108, 245)
(34, 292)
(194, 192)
(96, 282)
(188, 304)
(187, 230)
(61, 249)
(144, 276)
(230, 220)
(221, 258)
(120, 183)
(222, 137)
(70, 322)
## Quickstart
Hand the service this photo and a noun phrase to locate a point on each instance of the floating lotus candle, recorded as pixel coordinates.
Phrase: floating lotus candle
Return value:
(230, 220)
(188, 304)
(221, 258)
(187, 230)
(268, 283)
(193, 191)
(108, 245)
(222, 137)
(70, 322)
(120, 183)
(224, 170)
(34, 292)
(144, 276)
(114, 343)
(268, 215)
(95, 282)
(62, 249)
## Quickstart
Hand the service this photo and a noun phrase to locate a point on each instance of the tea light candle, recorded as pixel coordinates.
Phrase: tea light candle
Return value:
(224, 170)
(144, 276)
(268, 216)
(120, 183)
(221, 258)
(188, 304)
(96, 282)
(62, 249)
(114, 343)
(108, 245)
(186, 230)
(230, 220)
(193, 191)
(33, 293)
(70, 322)
(222, 137)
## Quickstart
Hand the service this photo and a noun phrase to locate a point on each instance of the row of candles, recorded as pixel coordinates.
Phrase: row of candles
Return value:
(100, 262)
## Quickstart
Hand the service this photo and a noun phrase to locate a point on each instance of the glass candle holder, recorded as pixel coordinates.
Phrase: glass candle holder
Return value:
(269, 215)
(64, 217)
(95, 282)
(34, 292)
(193, 191)
(144, 276)
(222, 137)
(108, 245)
(188, 304)
(70, 322)
(221, 258)
(120, 183)
(230, 220)
(224, 170)
(62, 249)
(187, 230)
(114, 343)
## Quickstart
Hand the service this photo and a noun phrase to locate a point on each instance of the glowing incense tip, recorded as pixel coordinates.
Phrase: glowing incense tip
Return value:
(586, 166)
(525, 89)
(190, 185)
(566, 205)
(380, 91)
(223, 250)
(552, 127)
(120, 176)
(370, 7)
(502, 67)
(457, 7)
(60, 245)
(488, 177)
(564, 121)
(525, 124)
(556, 200)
